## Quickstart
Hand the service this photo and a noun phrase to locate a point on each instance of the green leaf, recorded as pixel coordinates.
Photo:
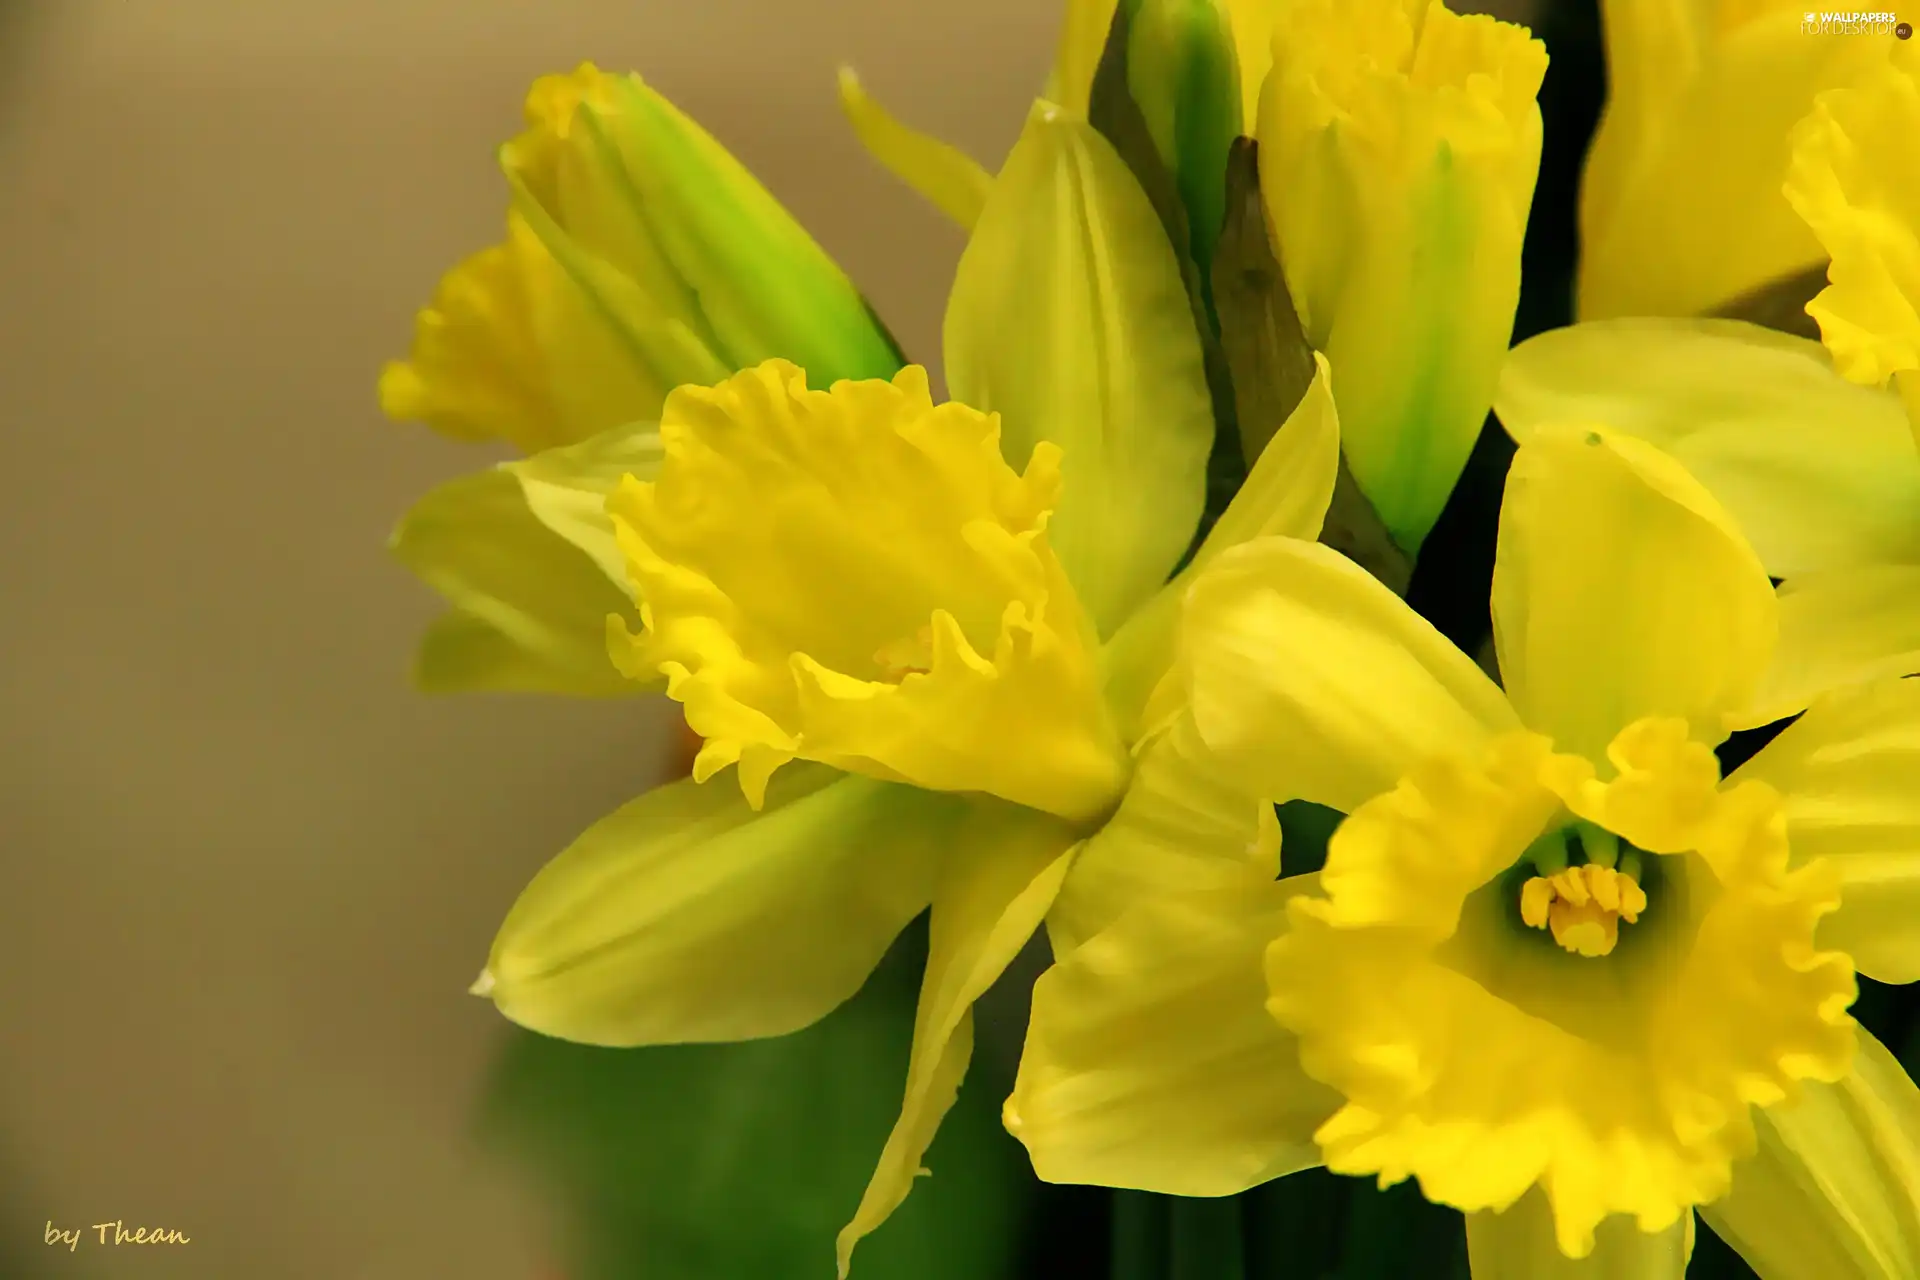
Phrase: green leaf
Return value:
(741, 1161)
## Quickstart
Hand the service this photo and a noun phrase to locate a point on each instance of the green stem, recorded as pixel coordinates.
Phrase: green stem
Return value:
(1140, 1236)
(1206, 1240)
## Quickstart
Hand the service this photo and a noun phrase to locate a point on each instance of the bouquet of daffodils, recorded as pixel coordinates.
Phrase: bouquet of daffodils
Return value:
(1069, 654)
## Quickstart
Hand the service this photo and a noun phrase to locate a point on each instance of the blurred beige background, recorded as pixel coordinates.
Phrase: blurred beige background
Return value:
(248, 872)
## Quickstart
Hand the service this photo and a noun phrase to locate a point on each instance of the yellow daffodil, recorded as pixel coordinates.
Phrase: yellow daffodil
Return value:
(925, 636)
(1398, 148)
(639, 255)
(1809, 448)
(1680, 208)
(1555, 967)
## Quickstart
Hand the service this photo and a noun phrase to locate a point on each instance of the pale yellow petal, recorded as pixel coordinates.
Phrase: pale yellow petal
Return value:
(1622, 589)
(1287, 491)
(950, 179)
(1834, 1190)
(686, 916)
(567, 488)
(1838, 628)
(1849, 773)
(1681, 208)
(1083, 38)
(530, 608)
(1182, 825)
(1069, 319)
(1253, 45)
(1151, 1061)
(998, 880)
(1519, 1245)
(1315, 682)
(1819, 473)
(1285, 495)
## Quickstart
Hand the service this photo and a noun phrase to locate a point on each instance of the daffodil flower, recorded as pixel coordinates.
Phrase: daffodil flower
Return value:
(925, 638)
(639, 255)
(1555, 967)
(1809, 448)
(1680, 208)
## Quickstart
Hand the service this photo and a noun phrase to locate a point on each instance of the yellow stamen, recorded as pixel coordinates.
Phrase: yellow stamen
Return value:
(1583, 906)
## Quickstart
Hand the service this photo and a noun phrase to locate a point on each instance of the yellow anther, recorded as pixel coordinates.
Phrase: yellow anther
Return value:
(1583, 906)
(1536, 895)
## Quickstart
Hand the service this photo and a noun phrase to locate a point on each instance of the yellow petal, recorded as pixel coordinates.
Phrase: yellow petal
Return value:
(566, 489)
(1855, 178)
(1253, 45)
(1182, 825)
(1621, 589)
(1287, 492)
(1818, 472)
(1519, 1245)
(1681, 207)
(1838, 628)
(1083, 38)
(1151, 1061)
(530, 609)
(1849, 771)
(1398, 148)
(951, 180)
(509, 348)
(1285, 495)
(686, 916)
(1315, 682)
(1069, 318)
(855, 576)
(1834, 1190)
(1003, 870)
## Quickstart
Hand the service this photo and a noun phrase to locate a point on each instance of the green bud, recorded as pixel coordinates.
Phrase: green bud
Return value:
(640, 256)
(1182, 72)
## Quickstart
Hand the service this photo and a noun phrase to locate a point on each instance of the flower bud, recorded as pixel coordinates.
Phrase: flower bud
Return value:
(1398, 148)
(1181, 72)
(640, 256)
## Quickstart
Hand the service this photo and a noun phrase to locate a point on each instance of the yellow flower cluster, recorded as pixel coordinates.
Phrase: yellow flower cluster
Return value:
(998, 659)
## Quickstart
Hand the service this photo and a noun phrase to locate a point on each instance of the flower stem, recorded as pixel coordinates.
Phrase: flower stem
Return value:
(1141, 1230)
(1206, 1241)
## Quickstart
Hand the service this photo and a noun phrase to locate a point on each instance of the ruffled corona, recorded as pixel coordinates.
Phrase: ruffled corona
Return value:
(1855, 179)
(856, 577)
(1618, 1079)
